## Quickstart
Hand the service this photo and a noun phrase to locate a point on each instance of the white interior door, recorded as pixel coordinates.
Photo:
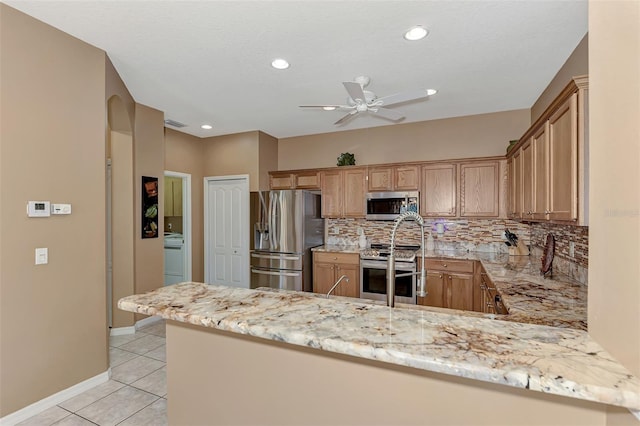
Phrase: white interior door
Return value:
(185, 252)
(226, 230)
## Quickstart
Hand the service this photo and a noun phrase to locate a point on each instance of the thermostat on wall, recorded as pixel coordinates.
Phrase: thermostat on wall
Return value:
(38, 209)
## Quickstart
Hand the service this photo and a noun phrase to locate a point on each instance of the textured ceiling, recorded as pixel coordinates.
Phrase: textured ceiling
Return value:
(209, 61)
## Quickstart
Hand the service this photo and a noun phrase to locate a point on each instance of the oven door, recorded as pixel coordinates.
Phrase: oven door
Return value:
(373, 281)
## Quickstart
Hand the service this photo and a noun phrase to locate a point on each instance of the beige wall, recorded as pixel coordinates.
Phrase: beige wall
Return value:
(576, 64)
(461, 137)
(235, 154)
(614, 246)
(149, 161)
(183, 153)
(267, 158)
(270, 383)
(53, 330)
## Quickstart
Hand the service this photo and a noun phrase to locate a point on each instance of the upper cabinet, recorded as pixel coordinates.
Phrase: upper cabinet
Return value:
(438, 194)
(480, 189)
(394, 178)
(297, 179)
(172, 196)
(343, 192)
(547, 173)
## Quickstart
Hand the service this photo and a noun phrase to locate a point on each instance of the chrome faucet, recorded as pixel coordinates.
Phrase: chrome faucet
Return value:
(344, 277)
(391, 261)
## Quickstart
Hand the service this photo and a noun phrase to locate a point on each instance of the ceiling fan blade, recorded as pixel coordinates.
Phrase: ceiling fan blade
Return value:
(355, 90)
(387, 113)
(323, 106)
(398, 98)
(346, 117)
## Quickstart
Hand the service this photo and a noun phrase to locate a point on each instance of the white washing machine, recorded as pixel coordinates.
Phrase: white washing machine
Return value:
(173, 258)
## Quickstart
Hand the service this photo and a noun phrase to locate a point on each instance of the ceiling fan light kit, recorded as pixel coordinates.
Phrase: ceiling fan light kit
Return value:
(361, 100)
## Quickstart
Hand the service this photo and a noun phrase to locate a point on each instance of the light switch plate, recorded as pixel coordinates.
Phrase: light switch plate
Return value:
(61, 208)
(42, 256)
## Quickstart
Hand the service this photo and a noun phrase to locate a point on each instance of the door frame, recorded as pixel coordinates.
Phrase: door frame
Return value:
(245, 213)
(186, 220)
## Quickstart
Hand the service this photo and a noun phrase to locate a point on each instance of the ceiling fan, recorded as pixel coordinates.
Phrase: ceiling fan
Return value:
(361, 100)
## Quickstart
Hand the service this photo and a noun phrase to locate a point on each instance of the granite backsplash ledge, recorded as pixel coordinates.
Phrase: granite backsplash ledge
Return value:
(482, 235)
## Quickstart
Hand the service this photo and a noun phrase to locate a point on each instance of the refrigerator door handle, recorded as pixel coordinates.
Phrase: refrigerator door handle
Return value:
(279, 274)
(274, 257)
(273, 230)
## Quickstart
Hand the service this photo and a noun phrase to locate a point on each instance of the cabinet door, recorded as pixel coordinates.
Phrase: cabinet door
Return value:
(459, 293)
(515, 184)
(323, 274)
(406, 178)
(332, 196)
(527, 180)
(435, 290)
(380, 179)
(438, 194)
(168, 196)
(563, 161)
(307, 180)
(354, 192)
(280, 180)
(352, 287)
(479, 189)
(177, 196)
(540, 146)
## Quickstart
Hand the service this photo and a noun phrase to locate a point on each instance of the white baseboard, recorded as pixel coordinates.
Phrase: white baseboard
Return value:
(119, 331)
(147, 321)
(53, 400)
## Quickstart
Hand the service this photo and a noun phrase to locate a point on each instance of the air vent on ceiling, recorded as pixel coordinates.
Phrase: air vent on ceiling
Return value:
(174, 123)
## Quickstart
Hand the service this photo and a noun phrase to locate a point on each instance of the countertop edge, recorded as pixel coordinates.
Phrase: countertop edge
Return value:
(515, 377)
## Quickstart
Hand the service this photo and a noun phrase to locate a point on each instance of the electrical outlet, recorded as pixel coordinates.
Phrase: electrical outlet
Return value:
(572, 249)
(335, 230)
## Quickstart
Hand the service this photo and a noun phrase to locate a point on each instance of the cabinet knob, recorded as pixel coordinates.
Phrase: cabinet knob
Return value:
(440, 276)
(444, 265)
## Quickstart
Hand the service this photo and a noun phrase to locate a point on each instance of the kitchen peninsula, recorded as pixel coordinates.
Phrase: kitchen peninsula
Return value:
(278, 357)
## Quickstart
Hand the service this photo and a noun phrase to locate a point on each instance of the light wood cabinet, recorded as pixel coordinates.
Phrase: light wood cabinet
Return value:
(304, 179)
(515, 186)
(480, 189)
(343, 192)
(552, 181)
(172, 196)
(540, 180)
(450, 284)
(394, 178)
(438, 194)
(380, 179)
(563, 162)
(329, 267)
(281, 180)
(527, 180)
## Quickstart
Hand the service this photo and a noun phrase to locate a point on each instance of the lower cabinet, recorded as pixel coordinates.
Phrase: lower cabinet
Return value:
(450, 284)
(329, 267)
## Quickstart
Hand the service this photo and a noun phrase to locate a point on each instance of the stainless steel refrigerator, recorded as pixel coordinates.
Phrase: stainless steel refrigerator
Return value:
(286, 225)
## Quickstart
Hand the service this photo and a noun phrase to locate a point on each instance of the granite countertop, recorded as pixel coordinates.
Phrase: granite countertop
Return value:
(560, 361)
(337, 249)
(530, 298)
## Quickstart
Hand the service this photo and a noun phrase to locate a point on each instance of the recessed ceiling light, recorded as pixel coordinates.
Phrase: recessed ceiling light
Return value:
(416, 33)
(280, 64)
(206, 126)
(329, 108)
(431, 92)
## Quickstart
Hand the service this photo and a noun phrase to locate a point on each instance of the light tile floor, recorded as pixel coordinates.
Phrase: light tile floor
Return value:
(136, 394)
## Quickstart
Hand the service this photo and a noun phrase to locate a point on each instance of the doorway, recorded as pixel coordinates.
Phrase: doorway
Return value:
(226, 230)
(177, 227)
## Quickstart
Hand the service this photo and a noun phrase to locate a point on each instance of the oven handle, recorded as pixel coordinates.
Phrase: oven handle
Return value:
(400, 266)
(276, 273)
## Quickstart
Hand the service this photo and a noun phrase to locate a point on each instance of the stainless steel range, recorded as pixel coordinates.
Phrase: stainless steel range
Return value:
(373, 272)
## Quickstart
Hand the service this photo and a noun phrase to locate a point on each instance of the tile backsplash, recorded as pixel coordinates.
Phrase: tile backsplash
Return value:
(484, 235)
(572, 262)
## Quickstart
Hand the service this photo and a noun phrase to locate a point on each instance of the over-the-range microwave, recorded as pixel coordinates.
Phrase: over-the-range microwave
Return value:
(389, 205)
